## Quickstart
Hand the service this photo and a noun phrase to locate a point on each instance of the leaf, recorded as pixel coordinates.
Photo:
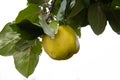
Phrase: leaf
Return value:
(30, 13)
(61, 11)
(38, 2)
(27, 56)
(81, 19)
(114, 20)
(54, 24)
(78, 31)
(28, 30)
(77, 8)
(8, 39)
(46, 28)
(56, 6)
(69, 5)
(96, 18)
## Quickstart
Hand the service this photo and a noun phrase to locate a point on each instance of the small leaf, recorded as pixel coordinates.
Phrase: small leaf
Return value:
(114, 20)
(28, 30)
(96, 18)
(78, 31)
(8, 39)
(61, 12)
(30, 13)
(80, 20)
(69, 5)
(54, 25)
(83, 17)
(77, 8)
(56, 6)
(27, 56)
(47, 30)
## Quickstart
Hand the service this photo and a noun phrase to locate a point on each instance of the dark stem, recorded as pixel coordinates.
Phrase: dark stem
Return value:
(51, 9)
(52, 5)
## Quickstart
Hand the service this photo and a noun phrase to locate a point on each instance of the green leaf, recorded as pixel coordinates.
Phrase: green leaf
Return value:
(30, 13)
(83, 17)
(69, 5)
(80, 20)
(77, 8)
(28, 30)
(8, 39)
(46, 28)
(96, 18)
(114, 20)
(54, 24)
(56, 6)
(61, 11)
(116, 4)
(78, 31)
(38, 2)
(27, 56)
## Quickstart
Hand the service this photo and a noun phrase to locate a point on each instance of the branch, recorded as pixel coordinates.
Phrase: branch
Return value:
(51, 9)
(52, 5)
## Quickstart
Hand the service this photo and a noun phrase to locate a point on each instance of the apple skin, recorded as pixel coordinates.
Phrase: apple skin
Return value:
(63, 46)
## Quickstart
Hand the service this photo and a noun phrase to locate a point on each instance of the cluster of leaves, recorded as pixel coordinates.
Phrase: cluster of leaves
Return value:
(96, 13)
(20, 38)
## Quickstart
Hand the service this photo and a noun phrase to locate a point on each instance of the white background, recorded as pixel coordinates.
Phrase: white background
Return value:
(98, 58)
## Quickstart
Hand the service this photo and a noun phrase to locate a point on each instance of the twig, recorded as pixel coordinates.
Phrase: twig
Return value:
(52, 5)
(50, 10)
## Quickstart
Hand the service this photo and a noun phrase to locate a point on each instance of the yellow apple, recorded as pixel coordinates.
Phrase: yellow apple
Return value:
(63, 46)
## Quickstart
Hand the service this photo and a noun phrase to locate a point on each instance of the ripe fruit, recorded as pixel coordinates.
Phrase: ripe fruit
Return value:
(63, 46)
